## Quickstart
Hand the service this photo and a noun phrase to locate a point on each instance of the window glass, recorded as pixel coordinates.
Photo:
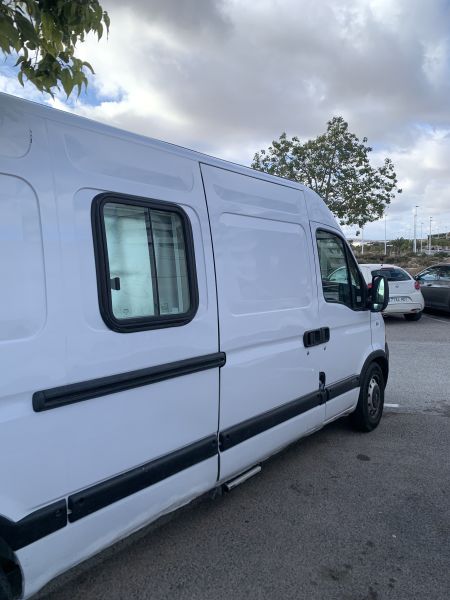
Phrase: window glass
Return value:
(340, 274)
(170, 253)
(392, 274)
(147, 261)
(444, 273)
(333, 268)
(129, 258)
(429, 275)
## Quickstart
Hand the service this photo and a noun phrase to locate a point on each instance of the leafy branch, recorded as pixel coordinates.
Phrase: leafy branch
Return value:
(44, 34)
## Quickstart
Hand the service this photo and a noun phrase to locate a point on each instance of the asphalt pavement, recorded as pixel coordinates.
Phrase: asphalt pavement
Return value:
(337, 516)
(419, 363)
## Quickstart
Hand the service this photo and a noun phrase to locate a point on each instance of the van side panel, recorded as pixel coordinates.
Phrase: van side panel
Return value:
(20, 231)
(32, 349)
(267, 300)
(121, 454)
(104, 428)
(69, 546)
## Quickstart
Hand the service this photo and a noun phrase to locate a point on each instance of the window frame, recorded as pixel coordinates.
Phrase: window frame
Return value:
(348, 256)
(148, 322)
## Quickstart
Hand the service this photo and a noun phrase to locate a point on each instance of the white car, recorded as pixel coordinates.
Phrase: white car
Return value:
(405, 297)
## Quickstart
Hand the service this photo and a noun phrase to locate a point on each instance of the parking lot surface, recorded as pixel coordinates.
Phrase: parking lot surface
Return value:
(419, 363)
(338, 515)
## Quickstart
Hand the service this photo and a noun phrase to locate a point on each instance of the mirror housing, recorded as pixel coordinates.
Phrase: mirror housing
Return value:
(379, 297)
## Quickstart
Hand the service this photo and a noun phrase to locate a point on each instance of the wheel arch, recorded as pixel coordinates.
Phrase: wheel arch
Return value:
(380, 357)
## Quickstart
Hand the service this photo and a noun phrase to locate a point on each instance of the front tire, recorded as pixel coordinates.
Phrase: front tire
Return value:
(371, 400)
(5, 588)
(413, 316)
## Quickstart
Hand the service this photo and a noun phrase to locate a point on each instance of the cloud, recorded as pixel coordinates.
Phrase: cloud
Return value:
(228, 76)
(188, 17)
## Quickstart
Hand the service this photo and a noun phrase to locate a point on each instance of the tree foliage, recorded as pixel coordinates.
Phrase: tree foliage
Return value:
(44, 33)
(336, 166)
(401, 245)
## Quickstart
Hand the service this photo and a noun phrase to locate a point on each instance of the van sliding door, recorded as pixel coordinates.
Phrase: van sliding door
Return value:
(269, 387)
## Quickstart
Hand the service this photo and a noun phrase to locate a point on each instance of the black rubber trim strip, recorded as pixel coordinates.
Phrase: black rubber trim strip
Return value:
(34, 526)
(341, 387)
(103, 494)
(94, 388)
(243, 431)
(55, 516)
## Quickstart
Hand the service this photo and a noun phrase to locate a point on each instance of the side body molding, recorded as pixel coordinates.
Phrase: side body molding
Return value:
(57, 515)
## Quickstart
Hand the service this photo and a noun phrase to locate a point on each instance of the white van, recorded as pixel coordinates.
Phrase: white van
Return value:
(167, 322)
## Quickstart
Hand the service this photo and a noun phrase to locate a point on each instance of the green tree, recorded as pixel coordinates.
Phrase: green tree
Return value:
(336, 166)
(44, 33)
(401, 245)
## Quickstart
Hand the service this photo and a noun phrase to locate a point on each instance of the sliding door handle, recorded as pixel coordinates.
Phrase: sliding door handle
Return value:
(315, 337)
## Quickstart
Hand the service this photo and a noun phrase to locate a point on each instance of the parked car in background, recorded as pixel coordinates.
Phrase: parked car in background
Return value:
(405, 297)
(435, 286)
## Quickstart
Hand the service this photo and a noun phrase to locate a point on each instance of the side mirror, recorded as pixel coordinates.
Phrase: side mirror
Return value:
(379, 294)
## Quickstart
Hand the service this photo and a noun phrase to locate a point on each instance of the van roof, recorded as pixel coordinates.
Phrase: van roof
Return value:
(62, 116)
(317, 209)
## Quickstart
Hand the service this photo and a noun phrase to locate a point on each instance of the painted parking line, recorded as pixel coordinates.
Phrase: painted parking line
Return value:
(435, 319)
(391, 405)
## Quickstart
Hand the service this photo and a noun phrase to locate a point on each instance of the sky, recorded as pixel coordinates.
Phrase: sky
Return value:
(226, 77)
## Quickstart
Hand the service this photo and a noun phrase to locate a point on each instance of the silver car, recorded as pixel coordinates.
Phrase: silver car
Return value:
(435, 286)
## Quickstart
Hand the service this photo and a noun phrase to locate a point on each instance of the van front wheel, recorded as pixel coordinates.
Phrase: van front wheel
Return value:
(371, 400)
(5, 588)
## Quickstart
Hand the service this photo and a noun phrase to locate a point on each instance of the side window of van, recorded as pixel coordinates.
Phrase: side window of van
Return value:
(145, 263)
(341, 280)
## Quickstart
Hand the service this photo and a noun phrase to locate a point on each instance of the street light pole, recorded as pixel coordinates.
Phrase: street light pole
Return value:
(415, 230)
(421, 237)
(429, 241)
(385, 238)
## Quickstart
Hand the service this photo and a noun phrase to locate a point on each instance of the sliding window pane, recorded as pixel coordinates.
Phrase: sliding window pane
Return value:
(130, 261)
(171, 267)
